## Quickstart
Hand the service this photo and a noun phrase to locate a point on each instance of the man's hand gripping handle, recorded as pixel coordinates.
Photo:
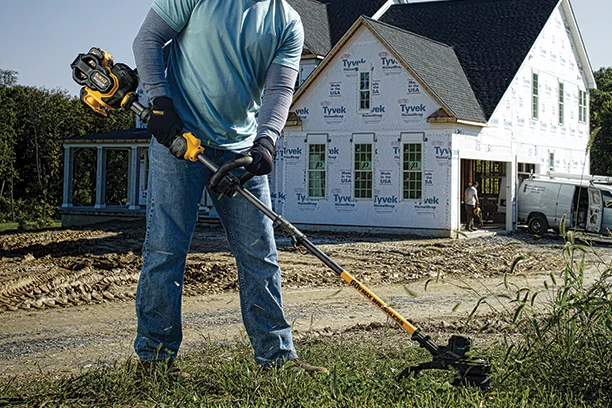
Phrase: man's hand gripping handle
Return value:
(184, 146)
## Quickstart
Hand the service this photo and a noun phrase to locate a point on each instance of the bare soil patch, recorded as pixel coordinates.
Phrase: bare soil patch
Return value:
(66, 296)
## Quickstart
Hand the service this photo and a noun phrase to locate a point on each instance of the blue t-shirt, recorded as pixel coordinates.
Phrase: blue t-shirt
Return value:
(218, 62)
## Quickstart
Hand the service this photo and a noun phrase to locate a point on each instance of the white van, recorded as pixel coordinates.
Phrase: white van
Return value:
(543, 202)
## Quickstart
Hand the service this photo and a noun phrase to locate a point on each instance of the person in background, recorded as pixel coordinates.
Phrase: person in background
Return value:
(204, 66)
(470, 200)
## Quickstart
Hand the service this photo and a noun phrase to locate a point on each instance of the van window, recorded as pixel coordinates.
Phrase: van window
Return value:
(606, 196)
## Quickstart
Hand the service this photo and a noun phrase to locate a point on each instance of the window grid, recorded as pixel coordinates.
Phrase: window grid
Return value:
(412, 171)
(561, 103)
(582, 109)
(363, 171)
(316, 170)
(551, 161)
(364, 91)
(534, 96)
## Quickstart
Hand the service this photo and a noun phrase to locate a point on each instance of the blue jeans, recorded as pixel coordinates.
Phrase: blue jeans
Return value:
(175, 189)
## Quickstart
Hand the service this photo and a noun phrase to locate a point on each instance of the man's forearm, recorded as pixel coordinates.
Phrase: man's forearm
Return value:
(148, 48)
(278, 94)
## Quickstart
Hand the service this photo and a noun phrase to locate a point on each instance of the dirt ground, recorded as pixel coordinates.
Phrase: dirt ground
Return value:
(67, 295)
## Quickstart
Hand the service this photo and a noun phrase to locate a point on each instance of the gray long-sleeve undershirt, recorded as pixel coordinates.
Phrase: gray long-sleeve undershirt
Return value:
(148, 48)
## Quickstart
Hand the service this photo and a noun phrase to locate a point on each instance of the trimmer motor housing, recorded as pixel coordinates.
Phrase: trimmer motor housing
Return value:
(106, 85)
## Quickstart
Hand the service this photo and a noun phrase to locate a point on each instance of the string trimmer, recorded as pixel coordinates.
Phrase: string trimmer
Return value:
(108, 86)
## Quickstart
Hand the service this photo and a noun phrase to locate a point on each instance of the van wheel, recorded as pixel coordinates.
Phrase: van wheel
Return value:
(537, 224)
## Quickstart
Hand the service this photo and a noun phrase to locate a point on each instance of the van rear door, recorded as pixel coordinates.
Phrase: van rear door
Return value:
(564, 205)
(593, 222)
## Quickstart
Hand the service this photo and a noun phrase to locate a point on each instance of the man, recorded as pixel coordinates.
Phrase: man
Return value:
(209, 80)
(470, 200)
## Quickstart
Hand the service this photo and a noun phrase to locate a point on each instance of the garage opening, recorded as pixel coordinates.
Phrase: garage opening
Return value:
(491, 178)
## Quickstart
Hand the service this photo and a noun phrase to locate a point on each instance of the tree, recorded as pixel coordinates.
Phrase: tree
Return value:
(7, 153)
(8, 77)
(33, 123)
(601, 123)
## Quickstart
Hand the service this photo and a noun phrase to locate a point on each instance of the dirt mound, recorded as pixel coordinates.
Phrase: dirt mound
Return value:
(67, 267)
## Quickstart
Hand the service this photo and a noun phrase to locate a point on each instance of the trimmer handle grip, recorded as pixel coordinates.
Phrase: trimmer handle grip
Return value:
(222, 181)
(186, 146)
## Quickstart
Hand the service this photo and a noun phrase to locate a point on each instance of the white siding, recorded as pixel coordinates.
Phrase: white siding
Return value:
(400, 107)
(554, 59)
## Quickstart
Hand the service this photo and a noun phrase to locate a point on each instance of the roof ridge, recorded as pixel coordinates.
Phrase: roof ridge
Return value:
(406, 31)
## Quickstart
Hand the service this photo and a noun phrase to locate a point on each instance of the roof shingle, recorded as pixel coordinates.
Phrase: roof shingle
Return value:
(436, 65)
(491, 38)
(326, 21)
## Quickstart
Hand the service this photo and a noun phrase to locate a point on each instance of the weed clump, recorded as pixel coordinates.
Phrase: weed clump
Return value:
(565, 342)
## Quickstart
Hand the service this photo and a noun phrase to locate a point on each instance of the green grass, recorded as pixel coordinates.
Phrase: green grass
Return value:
(13, 226)
(362, 374)
(559, 355)
(8, 226)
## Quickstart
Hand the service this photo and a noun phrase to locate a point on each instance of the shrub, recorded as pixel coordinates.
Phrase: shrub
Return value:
(33, 215)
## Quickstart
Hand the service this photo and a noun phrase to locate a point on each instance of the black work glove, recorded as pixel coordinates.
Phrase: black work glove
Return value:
(164, 122)
(262, 153)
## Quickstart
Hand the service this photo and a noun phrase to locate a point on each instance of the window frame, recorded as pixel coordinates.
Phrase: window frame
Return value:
(561, 104)
(582, 106)
(535, 95)
(551, 162)
(412, 139)
(316, 140)
(364, 93)
(363, 140)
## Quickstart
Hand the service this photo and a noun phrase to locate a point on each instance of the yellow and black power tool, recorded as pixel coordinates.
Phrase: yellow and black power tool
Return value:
(108, 86)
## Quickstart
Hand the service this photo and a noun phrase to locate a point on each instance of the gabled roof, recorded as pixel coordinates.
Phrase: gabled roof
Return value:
(491, 38)
(436, 66)
(326, 21)
(316, 25)
(433, 64)
(118, 136)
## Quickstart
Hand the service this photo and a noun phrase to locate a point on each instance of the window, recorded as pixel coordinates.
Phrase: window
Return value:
(561, 104)
(582, 106)
(551, 161)
(526, 168)
(365, 94)
(412, 172)
(316, 170)
(606, 196)
(362, 187)
(534, 96)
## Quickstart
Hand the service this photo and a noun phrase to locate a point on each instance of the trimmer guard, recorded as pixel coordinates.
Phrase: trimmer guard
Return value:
(468, 371)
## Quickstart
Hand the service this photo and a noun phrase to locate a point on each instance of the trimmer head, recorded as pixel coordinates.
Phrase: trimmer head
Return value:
(468, 371)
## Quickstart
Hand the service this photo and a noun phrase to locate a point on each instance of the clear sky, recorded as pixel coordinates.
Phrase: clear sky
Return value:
(40, 38)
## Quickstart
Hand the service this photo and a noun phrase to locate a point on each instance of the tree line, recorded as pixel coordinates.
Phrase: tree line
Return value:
(34, 121)
(601, 123)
